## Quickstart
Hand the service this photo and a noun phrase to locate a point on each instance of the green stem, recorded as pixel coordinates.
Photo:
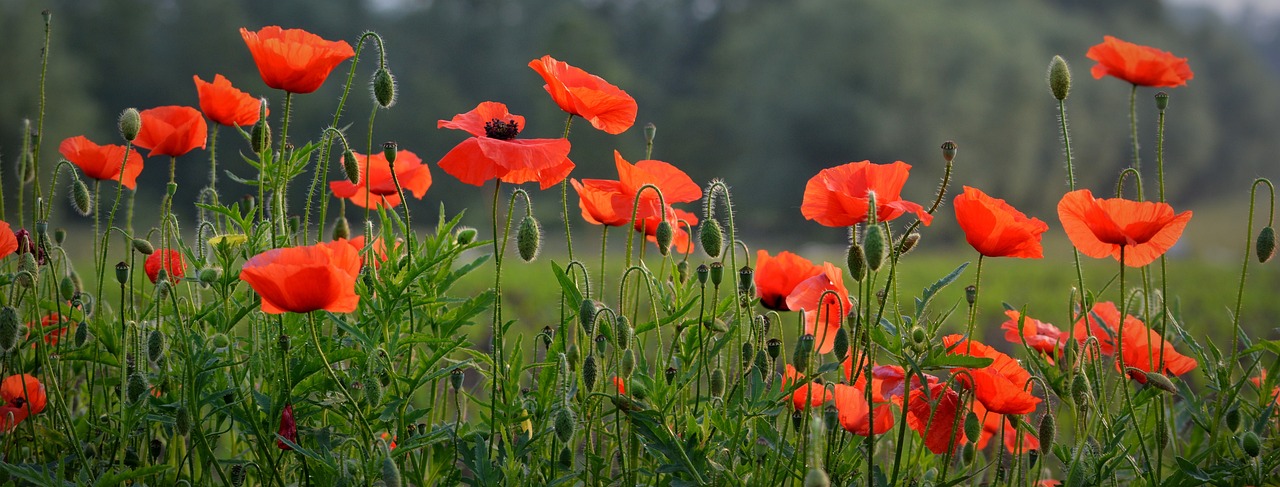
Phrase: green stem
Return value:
(564, 198)
(328, 368)
(499, 244)
(973, 308)
(35, 154)
(1133, 126)
(1124, 372)
(213, 163)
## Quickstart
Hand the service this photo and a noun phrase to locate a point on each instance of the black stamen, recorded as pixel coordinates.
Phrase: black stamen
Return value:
(497, 129)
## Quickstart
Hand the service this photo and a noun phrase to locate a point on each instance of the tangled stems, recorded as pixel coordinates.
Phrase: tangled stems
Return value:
(1128, 398)
(328, 368)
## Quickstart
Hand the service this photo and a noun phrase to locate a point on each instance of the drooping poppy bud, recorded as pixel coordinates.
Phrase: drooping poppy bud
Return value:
(136, 386)
(288, 428)
(841, 344)
(874, 247)
(717, 382)
(816, 477)
(663, 236)
(627, 364)
(80, 200)
(748, 353)
(800, 357)
(1233, 419)
(1251, 444)
(182, 421)
(712, 237)
(384, 88)
(155, 345)
(972, 427)
(528, 238)
(1266, 246)
(465, 235)
(1048, 430)
(589, 372)
(351, 166)
(390, 472)
(908, 243)
(9, 332)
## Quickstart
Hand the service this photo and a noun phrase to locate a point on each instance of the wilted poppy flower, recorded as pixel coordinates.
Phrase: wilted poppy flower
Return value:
(996, 229)
(586, 95)
(494, 152)
(1041, 336)
(288, 428)
(294, 60)
(1100, 227)
(26, 245)
(829, 312)
(1137, 64)
(8, 240)
(1142, 345)
(172, 131)
(932, 413)
(855, 414)
(305, 279)
(23, 396)
(776, 277)
(376, 186)
(225, 104)
(103, 162)
(811, 394)
(168, 259)
(1000, 386)
(837, 196)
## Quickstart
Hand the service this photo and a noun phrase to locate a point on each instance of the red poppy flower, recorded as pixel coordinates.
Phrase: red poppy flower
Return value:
(305, 279)
(586, 95)
(103, 162)
(50, 320)
(1142, 345)
(837, 196)
(830, 311)
(225, 104)
(620, 384)
(376, 186)
(680, 241)
(611, 203)
(23, 396)
(1262, 377)
(1001, 385)
(854, 412)
(811, 394)
(168, 259)
(172, 131)
(288, 428)
(8, 240)
(991, 426)
(776, 277)
(1137, 64)
(294, 60)
(1100, 227)
(387, 437)
(932, 413)
(996, 229)
(1037, 334)
(495, 153)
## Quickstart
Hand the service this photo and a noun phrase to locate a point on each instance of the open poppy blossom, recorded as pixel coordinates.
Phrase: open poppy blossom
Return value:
(23, 396)
(494, 152)
(376, 188)
(823, 312)
(226, 105)
(8, 240)
(854, 413)
(811, 394)
(1142, 345)
(580, 93)
(172, 131)
(1041, 336)
(168, 259)
(294, 60)
(1001, 385)
(776, 277)
(288, 428)
(1100, 227)
(995, 229)
(837, 196)
(305, 279)
(1138, 64)
(612, 203)
(932, 413)
(103, 162)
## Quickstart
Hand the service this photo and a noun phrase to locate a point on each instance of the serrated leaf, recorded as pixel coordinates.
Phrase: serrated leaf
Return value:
(922, 302)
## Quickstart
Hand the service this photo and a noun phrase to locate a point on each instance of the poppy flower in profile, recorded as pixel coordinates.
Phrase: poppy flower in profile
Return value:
(823, 312)
(23, 396)
(376, 188)
(611, 203)
(995, 229)
(103, 162)
(172, 131)
(1142, 345)
(854, 413)
(168, 259)
(1100, 227)
(776, 277)
(294, 60)
(8, 240)
(1138, 64)
(837, 196)
(226, 105)
(620, 384)
(288, 428)
(305, 279)
(932, 413)
(1041, 336)
(493, 152)
(1001, 385)
(811, 394)
(580, 93)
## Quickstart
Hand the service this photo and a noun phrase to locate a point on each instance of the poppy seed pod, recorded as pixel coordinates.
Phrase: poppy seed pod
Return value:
(465, 235)
(669, 374)
(717, 273)
(282, 342)
(390, 472)
(389, 151)
(122, 272)
(774, 346)
(1251, 444)
(797, 418)
(59, 235)
(971, 294)
(384, 88)
(1048, 430)
(351, 166)
(717, 382)
(745, 276)
(602, 344)
(155, 448)
(702, 271)
(80, 200)
(650, 130)
(800, 357)
(528, 238)
(949, 150)
(712, 237)
(874, 247)
(1059, 78)
(1266, 246)
(1162, 101)
(455, 378)
(663, 236)
(130, 124)
(547, 335)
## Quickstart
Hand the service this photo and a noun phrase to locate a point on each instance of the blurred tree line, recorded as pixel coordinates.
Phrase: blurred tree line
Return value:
(761, 93)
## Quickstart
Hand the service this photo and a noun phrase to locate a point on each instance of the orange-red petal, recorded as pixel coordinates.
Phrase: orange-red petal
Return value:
(996, 229)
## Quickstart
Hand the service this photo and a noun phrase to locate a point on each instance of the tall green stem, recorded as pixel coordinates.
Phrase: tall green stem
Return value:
(564, 198)
(1133, 126)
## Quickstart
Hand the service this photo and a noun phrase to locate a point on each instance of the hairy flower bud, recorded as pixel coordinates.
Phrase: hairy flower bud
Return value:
(384, 88)
(260, 136)
(627, 365)
(1160, 381)
(589, 371)
(1233, 419)
(390, 472)
(664, 234)
(80, 199)
(1048, 430)
(1266, 246)
(341, 228)
(1080, 391)
(9, 328)
(712, 237)
(800, 357)
(350, 166)
(155, 345)
(972, 427)
(528, 238)
(841, 344)
(182, 420)
(1251, 444)
(82, 334)
(136, 386)
(625, 333)
(717, 382)
(1059, 78)
(130, 124)
(465, 235)
(816, 478)
(373, 391)
(874, 246)
(908, 243)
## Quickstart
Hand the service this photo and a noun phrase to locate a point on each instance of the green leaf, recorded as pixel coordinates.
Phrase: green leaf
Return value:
(120, 478)
(922, 302)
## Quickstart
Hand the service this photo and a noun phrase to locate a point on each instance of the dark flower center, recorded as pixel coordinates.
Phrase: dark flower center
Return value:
(497, 129)
(18, 402)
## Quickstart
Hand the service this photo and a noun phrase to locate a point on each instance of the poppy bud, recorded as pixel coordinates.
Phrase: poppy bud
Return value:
(587, 314)
(528, 238)
(1059, 78)
(1080, 391)
(143, 246)
(650, 130)
(949, 150)
(774, 346)
(384, 88)
(972, 427)
(122, 272)
(748, 353)
(389, 151)
(209, 274)
(1233, 419)
(288, 428)
(716, 324)
(841, 344)
(874, 248)
(390, 472)
(800, 357)
(59, 235)
(816, 478)
(465, 235)
(967, 452)
(1048, 430)
(625, 333)
(908, 243)
(702, 271)
(351, 166)
(66, 288)
(1266, 244)
(1251, 444)
(717, 273)
(237, 475)
(130, 123)
(455, 378)
(1160, 381)
(589, 373)
(712, 237)
(762, 363)
(628, 363)
(137, 386)
(682, 271)
(341, 228)
(373, 392)
(669, 374)
(80, 200)
(717, 382)
(1162, 434)
(182, 420)
(1162, 101)
(601, 344)
(155, 345)
(82, 334)
(572, 354)
(260, 136)
(663, 236)
(9, 332)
